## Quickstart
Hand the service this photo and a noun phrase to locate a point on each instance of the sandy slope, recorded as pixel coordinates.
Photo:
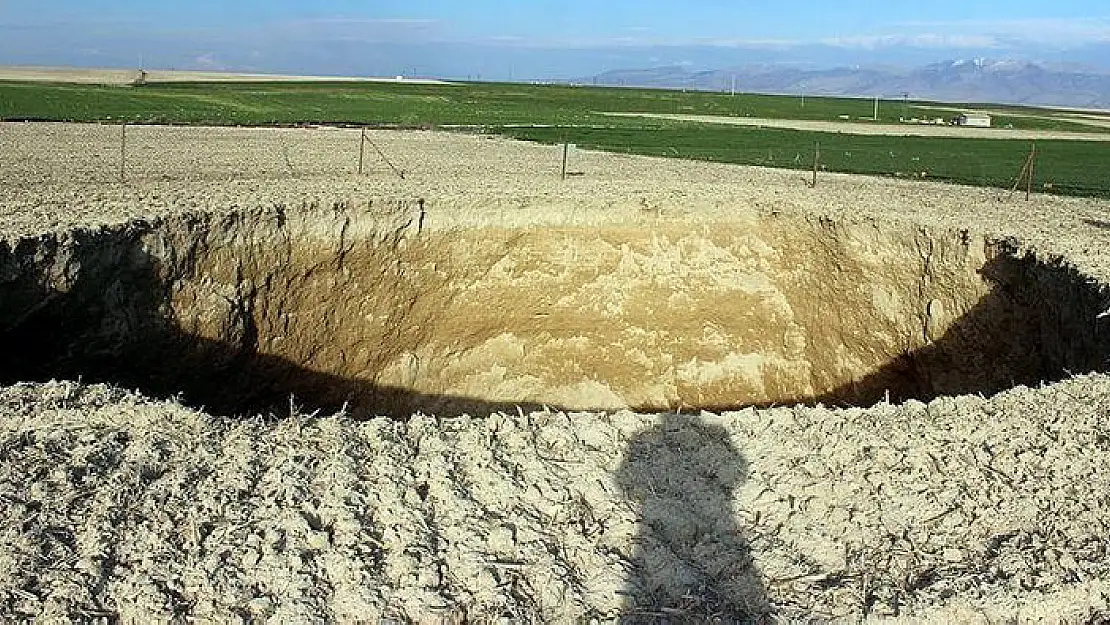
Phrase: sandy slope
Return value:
(965, 509)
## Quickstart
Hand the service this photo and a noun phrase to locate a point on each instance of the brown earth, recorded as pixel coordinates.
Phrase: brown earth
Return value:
(549, 312)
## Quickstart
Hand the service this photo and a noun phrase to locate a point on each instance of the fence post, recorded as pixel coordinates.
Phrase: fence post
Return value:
(816, 163)
(566, 149)
(1032, 172)
(400, 172)
(1026, 174)
(361, 149)
(123, 152)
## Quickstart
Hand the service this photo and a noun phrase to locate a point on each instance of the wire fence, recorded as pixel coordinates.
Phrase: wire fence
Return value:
(1061, 167)
(1026, 168)
(51, 153)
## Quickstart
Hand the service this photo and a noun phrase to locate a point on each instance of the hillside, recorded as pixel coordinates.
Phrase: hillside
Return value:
(979, 80)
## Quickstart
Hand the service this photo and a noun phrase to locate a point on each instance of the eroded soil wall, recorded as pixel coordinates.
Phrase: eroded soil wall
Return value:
(368, 309)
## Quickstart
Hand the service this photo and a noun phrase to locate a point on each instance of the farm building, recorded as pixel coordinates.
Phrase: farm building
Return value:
(980, 120)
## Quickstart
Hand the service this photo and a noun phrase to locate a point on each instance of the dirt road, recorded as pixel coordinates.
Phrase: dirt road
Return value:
(868, 128)
(1088, 119)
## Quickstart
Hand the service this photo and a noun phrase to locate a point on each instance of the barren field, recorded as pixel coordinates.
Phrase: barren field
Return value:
(126, 77)
(893, 130)
(249, 383)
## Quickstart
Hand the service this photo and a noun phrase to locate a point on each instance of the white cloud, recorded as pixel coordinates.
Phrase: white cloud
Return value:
(921, 40)
(634, 41)
(941, 34)
(1055, 31)
(756, 44)
(363, 21)
(376, 30)
(208, 61)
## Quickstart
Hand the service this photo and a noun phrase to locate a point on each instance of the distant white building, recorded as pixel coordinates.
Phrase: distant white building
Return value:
(977, 120)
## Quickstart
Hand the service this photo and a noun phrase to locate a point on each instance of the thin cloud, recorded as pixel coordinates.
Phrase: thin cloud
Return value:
(209, 61)
(753, 44)
(633, 41)
(375, 30)
(1065, 31)
(364, 21)
(922, 40)
(940, 34)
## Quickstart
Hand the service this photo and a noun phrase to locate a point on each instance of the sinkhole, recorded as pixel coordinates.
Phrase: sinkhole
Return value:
(369, 309)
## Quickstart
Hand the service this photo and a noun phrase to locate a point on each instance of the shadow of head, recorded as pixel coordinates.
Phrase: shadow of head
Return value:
(691, 561)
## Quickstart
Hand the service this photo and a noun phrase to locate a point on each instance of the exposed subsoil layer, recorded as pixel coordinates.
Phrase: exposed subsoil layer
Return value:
(246, 311)
(646, 284)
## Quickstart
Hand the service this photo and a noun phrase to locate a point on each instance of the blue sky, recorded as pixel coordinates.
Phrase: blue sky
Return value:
(543, 37)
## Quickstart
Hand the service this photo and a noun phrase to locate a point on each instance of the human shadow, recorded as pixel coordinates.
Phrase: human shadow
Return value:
(692, 563)
(95, 306)
(1040, 321)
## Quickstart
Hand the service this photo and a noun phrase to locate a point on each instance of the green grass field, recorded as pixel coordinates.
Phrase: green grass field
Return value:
(556, 114)
(1063, 167)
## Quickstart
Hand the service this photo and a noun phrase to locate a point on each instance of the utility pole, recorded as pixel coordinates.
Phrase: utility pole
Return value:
(876, 115)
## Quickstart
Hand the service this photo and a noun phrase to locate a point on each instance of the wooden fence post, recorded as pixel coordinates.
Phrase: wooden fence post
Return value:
(816, 163)
(361, 150)
(123, 152)
(1026, 174)
(400, 172)
(1032, 172)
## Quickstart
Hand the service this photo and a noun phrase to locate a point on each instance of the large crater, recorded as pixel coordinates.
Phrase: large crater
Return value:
(371, 310)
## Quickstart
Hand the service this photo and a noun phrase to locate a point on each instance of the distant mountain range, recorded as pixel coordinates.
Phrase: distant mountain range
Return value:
(978, 80)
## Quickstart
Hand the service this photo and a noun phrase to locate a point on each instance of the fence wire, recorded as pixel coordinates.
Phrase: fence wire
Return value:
(47, 152)
(1064, 167)
(97, 152)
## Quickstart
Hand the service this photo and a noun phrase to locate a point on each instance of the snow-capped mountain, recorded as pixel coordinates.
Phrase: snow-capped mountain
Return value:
(967, 80)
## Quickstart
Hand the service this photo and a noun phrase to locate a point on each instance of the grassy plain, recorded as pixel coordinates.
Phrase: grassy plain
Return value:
(559, 113)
